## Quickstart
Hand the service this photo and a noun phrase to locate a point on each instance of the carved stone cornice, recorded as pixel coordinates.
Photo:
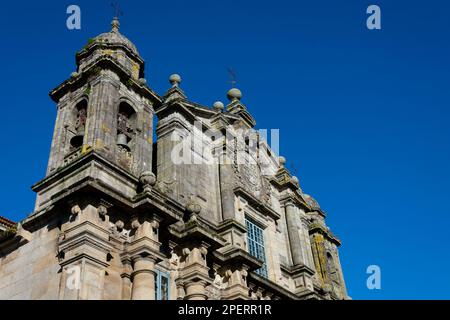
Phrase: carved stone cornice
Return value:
(195, 231)
(237, 108)
(144, 247)
(87, 51)
(257, 281)
(297, 270)
(232, 255)
(77, 165)
(293, 198)
(170, 210)
(323, 230)
(256, 203)
(153, 201)
(174, 94)
(231, 224)
(175, 106)
(105, 62)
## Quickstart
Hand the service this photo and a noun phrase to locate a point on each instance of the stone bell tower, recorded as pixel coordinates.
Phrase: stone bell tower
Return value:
(96, 204)
(105, 106)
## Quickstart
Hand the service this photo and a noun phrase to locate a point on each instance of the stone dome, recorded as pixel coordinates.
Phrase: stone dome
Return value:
(114, 37)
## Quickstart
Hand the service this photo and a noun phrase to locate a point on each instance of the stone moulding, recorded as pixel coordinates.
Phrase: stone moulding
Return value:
(256, 203)
(232, 255)
(104, 63)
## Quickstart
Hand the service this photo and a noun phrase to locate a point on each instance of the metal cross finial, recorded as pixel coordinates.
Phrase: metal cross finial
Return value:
(117, 11)
(232, 77)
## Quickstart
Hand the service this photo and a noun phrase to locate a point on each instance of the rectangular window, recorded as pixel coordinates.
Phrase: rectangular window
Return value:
(255, 239)
(161, 285)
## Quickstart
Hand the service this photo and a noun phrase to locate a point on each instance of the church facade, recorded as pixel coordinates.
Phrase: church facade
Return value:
(205, 212)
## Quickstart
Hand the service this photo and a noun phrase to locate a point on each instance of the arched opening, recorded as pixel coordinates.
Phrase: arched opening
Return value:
(126, 125)
(80, 124)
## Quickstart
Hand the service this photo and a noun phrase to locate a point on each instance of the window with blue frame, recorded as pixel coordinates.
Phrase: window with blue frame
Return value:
(161, 285)
(255, 243)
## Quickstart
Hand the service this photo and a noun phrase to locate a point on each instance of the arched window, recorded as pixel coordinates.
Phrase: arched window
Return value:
(126, 125)
(80, 124)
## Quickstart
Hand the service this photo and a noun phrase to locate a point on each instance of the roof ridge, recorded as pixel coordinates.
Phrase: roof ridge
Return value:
(6, 221)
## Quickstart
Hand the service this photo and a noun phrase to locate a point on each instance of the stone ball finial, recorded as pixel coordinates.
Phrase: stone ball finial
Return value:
(102, 210)
(294, 180)
(148, 180)
(75, 209)
(135, 224)
(194, 207)
(218, 105)
(175, 79)
(142, 81)
(282, 161)
(119, 224)
(234, 94)
(74, 74)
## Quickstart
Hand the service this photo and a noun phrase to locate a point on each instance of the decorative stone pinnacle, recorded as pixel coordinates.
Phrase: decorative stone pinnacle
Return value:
(148, 180)
(119, 225)
(234, 94)
(282, 161)
(193, 209)
(75, 209)
(218, 106)
(102, 210)
(135, 223)
(175, 80)
(115, 24)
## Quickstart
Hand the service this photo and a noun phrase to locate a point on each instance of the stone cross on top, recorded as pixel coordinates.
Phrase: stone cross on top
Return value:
(232, 77)
(117, 11)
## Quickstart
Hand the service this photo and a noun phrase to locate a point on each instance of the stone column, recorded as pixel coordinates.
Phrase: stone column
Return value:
(144, 252)
(143, 278)
(294, 238)
(126, 280)
(194, 273)
(83, 246)
(195, 290)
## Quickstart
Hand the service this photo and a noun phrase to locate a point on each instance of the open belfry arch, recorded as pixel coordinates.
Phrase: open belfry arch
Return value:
(117, 215)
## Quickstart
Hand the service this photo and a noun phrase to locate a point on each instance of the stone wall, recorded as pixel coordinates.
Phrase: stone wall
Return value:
(32, 270)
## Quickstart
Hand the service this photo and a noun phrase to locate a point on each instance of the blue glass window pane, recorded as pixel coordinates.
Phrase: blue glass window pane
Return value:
(255, 241)
(162, 285)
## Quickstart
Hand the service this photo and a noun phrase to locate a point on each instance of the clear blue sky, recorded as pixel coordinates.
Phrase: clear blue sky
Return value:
(363, 115)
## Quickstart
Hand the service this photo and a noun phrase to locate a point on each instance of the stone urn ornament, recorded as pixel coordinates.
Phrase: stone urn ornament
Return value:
(148, 180)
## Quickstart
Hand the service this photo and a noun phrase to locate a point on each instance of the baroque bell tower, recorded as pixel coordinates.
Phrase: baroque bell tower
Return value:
(105, 107)
(97, 199)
